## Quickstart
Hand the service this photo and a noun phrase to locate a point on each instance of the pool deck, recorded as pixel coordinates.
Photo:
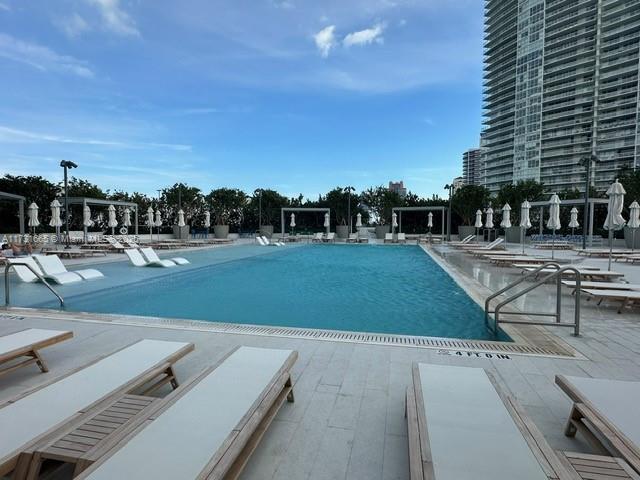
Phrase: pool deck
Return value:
(348, 419)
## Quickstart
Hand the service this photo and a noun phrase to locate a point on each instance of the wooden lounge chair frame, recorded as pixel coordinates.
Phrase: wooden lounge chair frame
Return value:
(597, 430)
(228, 462)
(31, 351)
(148, 381)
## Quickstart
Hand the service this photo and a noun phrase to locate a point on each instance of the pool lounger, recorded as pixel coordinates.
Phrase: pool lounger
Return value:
(388, 238)
(152, 256)
(604, 411)
(34, 415)
(53, 268)
(270, 243)
(24, 274)
(114, 244)
(626, 298)
(462, 427)
(26, 343)
(402, 238)
(136, 258)
(601, 285)
(209, 427)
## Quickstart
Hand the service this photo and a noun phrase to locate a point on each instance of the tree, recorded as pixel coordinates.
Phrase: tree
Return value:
(467, 200)
(338, 201)
(189, 198)
(380, 202)
(515, 194)
(227, 206)
(36, 189)
(271, 202)
(84, 188)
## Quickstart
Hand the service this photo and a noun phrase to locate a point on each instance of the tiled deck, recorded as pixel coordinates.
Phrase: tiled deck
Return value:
(348, 418)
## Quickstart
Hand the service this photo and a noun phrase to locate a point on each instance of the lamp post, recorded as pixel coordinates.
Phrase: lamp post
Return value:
(348, 191)
(258, 191)
(66, 165)
(587, 163)
(449, 186)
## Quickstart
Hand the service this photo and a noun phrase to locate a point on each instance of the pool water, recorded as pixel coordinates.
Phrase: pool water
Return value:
(379, 289)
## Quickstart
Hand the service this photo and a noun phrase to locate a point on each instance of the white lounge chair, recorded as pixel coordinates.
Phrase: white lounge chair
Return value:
(136, 258)
(388, 238)
(331, 237)
(116, 245)
(27, 343)
(261, 241)
(131, 244)
(460, 424)
(152, 256)
(402, 238)
(26, 419)
(624, 298)
(23, 273)
(53, 268)
(210, 427)
(269, 242)
(353, 238)
(318, 237)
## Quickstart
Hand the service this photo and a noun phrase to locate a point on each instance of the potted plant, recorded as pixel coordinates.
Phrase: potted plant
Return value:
(465, 202)
(380, 202)
(338, 201)
(227, 205)
(267, 203)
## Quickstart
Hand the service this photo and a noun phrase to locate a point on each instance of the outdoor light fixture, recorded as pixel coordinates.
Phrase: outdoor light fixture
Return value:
(449, 186)
(66, 165)
(348, 191)
(586, 162)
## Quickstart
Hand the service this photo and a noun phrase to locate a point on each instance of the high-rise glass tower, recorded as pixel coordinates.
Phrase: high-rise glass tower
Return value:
(561, 82)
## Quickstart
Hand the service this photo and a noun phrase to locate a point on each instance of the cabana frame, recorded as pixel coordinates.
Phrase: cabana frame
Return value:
(442, 210)
(302, 209)
(84, 201)
(16, 198)
(592, 202)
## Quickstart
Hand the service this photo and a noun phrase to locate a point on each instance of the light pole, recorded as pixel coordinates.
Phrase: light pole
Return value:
(449, 186)
(586, 163)
(348, 191)
(158, 223)
(66, 165)
(258, 191)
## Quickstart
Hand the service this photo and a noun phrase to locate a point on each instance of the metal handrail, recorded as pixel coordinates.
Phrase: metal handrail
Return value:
(558, 313)
(36, 273)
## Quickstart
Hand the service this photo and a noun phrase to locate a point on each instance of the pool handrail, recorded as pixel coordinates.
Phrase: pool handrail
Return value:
(36, 273)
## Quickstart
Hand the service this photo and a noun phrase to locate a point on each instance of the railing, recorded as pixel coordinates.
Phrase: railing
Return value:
(557, 275)
(37, 274)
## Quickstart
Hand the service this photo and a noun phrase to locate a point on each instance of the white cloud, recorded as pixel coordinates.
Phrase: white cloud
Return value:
(41, 58)
(72, 26)
(115, 19)
(365, 37)
(5, 7)
(325, 40)
(14, 135)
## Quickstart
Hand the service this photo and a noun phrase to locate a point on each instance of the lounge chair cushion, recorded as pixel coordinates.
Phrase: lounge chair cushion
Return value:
(23, 273)
(135, 257)
(152, 258)
(180, 260)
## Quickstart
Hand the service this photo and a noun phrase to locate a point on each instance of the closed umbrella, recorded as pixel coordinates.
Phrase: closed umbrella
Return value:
(525, 221)
(112, 223)
(394, 222)
(506, 220)
(181, 218)
(158, 222)
(430, 221)
(207, 219)
(554, 219)
(126, 218)
(292, 223)
(86, 220)
(614, 220)
(634, 221)
(33, 217)
(478, 223)
(358, 220)
(488, 222)
(573, 221)
(150, 222)
(56, 221)
(327, 223)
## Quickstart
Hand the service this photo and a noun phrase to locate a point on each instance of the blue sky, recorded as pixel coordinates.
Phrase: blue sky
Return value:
(296, 95)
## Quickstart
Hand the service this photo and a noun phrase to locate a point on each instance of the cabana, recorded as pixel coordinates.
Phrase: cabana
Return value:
(591, 202)
(443, 210)
(16, 198)
(284, 210)
(84, 201)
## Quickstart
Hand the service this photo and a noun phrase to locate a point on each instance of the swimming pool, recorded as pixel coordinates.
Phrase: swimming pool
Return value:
(378, 289)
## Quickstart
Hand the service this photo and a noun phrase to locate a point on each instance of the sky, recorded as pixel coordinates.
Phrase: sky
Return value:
(296, 95)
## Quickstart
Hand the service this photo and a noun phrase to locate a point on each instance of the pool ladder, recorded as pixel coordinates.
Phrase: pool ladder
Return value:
(37, 274)
(557, 276)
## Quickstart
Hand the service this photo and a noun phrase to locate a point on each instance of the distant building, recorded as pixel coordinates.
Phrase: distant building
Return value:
(399, 188)
(472, 167)
(457, 183)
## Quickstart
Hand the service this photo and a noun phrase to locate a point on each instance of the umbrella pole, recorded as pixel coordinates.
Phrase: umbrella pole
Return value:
(553, 244)
(522, 238)
(633, 239)
(610, 246)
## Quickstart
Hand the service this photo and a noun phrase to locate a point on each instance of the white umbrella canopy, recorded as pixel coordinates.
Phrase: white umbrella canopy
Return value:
(634, 215)
(112, 222)
(86, 217)
(33, 215)
(394, 220)
(614, 220)
(292, 223)
(359, 220)
(573, 220)
(181, 218)
(207, 219)
(158, 221)
(126, 218)
(430, 220)
(55, 221)
(150, 222)
(506, 216)
(525, 221)
(554, 213)
(488, 223)
(326, 220)
(478, 219)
